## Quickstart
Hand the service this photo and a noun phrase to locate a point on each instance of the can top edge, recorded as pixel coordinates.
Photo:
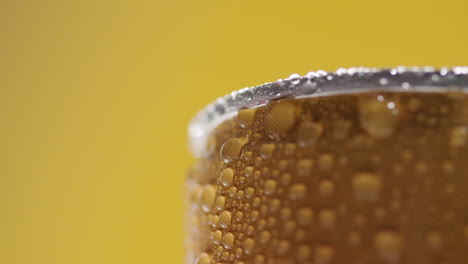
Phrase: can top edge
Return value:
(322, 83)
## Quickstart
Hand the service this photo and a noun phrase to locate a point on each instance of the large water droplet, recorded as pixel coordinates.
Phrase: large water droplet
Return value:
(246, 117)
(231, 149)
(281, 117)
(379, 116)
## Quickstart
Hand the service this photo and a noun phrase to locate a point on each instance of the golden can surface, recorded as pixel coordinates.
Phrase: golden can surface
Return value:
(375, 176)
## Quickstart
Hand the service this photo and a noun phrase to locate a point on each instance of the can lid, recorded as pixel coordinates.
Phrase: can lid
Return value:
(322, 83)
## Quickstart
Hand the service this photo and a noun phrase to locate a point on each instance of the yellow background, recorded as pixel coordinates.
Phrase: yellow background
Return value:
(95, 97)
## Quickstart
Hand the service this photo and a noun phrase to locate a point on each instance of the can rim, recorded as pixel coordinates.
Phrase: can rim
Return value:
(322, 83)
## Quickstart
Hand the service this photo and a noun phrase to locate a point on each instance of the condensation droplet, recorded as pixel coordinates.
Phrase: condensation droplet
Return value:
(323, 254)
(240, 194)
(249, 192)
(297, 191)
(238, 216)
(304, 167)
(255, 138)
(379, 118)
(231, 149)
(248, 245)
(231, 192)
(326, 187)
(308, 134)
(282, 165)
(207, 197)
(325, 161)
(280, 117)
(248, 171)
(271, 222)
(216, 237)
(285, 178)
(389, 245)
(259, 259)
(305, 216)
(327, 218)
(225, 256)
(214, 221)
(247, 156)
(239, 252)
(458, 136)
(289, 149)
(254, 215)
(275, 205)
(203, 259)
(218, 251)
(220, 202)
(256, 202)
(270, 187)
(228, 240)
(264, 237)
(227, 177)
(383, 81)
(250, 230)
(266, 150)
(366, 186)
(282, 247)
(225, 219)
(246, 117)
